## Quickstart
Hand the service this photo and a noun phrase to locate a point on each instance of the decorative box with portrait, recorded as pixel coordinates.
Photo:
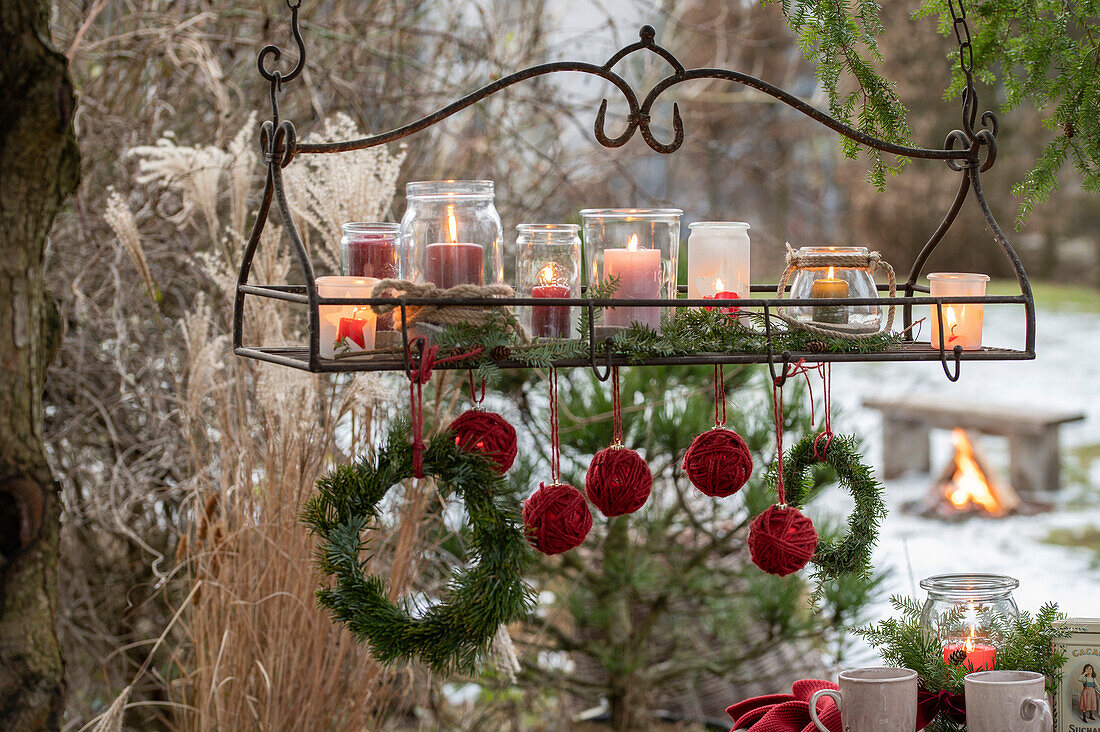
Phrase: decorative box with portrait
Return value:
(1077, 704)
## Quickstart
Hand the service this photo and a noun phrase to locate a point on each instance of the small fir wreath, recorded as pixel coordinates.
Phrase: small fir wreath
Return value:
(458, 629)
(852, 553)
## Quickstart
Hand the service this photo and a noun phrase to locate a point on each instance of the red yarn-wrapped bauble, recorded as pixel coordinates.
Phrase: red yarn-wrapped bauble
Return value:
(556, 518)
(782, 540)
(718, 463)
(618, 481)
(488, 432)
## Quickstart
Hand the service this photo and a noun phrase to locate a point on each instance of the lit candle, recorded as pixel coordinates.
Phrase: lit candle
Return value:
(454, 263)
(549, 321)
(721, 293)
(978, 655)
(962, 324)
(718, 252)
(346, 329)
(830, 286)
(639, 274)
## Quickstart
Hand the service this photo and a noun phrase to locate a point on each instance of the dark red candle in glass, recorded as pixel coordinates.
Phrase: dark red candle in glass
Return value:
(550, 321)
(370, 249)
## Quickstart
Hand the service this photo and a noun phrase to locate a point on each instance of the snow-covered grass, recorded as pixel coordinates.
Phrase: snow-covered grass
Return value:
(1064, 376)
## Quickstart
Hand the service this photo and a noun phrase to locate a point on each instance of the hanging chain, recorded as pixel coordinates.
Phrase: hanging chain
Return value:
(966, 62)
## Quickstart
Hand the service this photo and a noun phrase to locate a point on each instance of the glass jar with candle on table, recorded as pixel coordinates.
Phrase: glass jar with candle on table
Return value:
(833, 273)
(346, 329)
(718, 262)
(967, 614)
(639, 249)
(451, 234)
(548, 265)
(371, 249)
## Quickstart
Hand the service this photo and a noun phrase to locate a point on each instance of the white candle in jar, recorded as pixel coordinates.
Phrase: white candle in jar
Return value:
(718, 251)
(346, 329)
(962, 324)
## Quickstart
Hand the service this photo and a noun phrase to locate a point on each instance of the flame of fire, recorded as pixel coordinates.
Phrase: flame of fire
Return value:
(633, 243)
(968, 644)
(546, 275)
(832, 273)
(718, 286)
(951, 321)
(452, 225)
(969, 484)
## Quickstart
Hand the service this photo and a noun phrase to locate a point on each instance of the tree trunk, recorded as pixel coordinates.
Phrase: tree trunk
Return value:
(39, 168)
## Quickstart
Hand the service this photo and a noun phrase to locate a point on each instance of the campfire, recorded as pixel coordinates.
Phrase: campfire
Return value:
(970, 486)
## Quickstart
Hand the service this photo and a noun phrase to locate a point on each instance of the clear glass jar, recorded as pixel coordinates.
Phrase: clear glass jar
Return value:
(718, 261)
(967, 614)
(451, 233)
(548, 264)
(962, 324)
(370, 249)
(640, 247)
(836, 281)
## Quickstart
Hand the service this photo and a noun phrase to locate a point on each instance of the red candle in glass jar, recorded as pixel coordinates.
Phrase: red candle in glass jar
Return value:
(724, 295)
(550, 321)
(979, 655)
(370, 249)
(454, 263)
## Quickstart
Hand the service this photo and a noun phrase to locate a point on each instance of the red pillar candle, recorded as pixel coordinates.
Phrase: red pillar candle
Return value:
(550, 321)
(372, 256)
(979, 655)
(448, 265)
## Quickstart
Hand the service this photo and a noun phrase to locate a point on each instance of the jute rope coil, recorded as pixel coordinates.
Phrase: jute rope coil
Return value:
(871, 262)
(446, 314)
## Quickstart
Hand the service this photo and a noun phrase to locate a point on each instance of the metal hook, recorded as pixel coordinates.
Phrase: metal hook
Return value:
(608, 343)
(781, 378)
(957, 350)
(405, 341)
(276, 53)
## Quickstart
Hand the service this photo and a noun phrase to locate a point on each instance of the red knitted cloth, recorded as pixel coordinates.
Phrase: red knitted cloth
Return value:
(488, 432)
(786, 712)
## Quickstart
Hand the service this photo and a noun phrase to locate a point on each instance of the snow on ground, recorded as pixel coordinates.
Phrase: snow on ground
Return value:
(1064, 377)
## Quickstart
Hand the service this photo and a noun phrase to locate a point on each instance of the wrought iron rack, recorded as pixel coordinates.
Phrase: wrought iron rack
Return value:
(969, 151)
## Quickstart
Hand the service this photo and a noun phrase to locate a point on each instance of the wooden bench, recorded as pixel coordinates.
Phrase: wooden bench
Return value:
(1032, 435)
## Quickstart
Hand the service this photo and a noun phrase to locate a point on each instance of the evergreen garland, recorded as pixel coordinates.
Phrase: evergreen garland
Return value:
(1026, 645)
(457, 630)
(851, 554)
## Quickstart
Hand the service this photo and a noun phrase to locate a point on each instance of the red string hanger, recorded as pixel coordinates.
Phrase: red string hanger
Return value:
(420, 374)
(782, 540)
(618, 480)
(556, 516)
(476, 429)
(718, 462)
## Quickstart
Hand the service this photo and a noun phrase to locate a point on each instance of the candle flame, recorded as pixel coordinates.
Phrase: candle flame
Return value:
(452, 225)
(968, 645)
(633, 243)
(718, 286)
(832, 273)
(546, 275)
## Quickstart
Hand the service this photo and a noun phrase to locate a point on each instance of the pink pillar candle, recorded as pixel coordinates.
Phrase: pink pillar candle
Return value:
(639, 274)
(550, 321)
(448, 265)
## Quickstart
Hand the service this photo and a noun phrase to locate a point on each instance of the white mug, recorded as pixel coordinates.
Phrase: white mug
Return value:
(873, 700)
(1007, 701)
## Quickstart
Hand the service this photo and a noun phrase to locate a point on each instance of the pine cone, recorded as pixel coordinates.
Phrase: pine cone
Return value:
(817, 346)
(500, 353)
(957, 657)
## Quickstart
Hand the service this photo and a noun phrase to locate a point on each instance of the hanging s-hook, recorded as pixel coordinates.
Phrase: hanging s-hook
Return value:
(276, 53)
(781, 378)
(956, 351)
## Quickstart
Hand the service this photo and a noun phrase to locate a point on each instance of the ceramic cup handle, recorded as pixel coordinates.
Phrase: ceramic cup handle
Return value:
(836, 697)
(1030, 709)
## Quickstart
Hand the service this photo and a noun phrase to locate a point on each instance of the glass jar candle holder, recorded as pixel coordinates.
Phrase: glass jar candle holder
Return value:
(835, 281)
(968, 614)
(718, 261)
(371, 249)
(451, 234)
(962, 324)
(548, 264)
(637, 247)
(346, 329)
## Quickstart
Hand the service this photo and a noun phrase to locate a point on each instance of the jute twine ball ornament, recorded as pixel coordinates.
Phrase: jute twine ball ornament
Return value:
(556, 518)
(782, 540)
(618, 481)
(489, 433)
(718, 462)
